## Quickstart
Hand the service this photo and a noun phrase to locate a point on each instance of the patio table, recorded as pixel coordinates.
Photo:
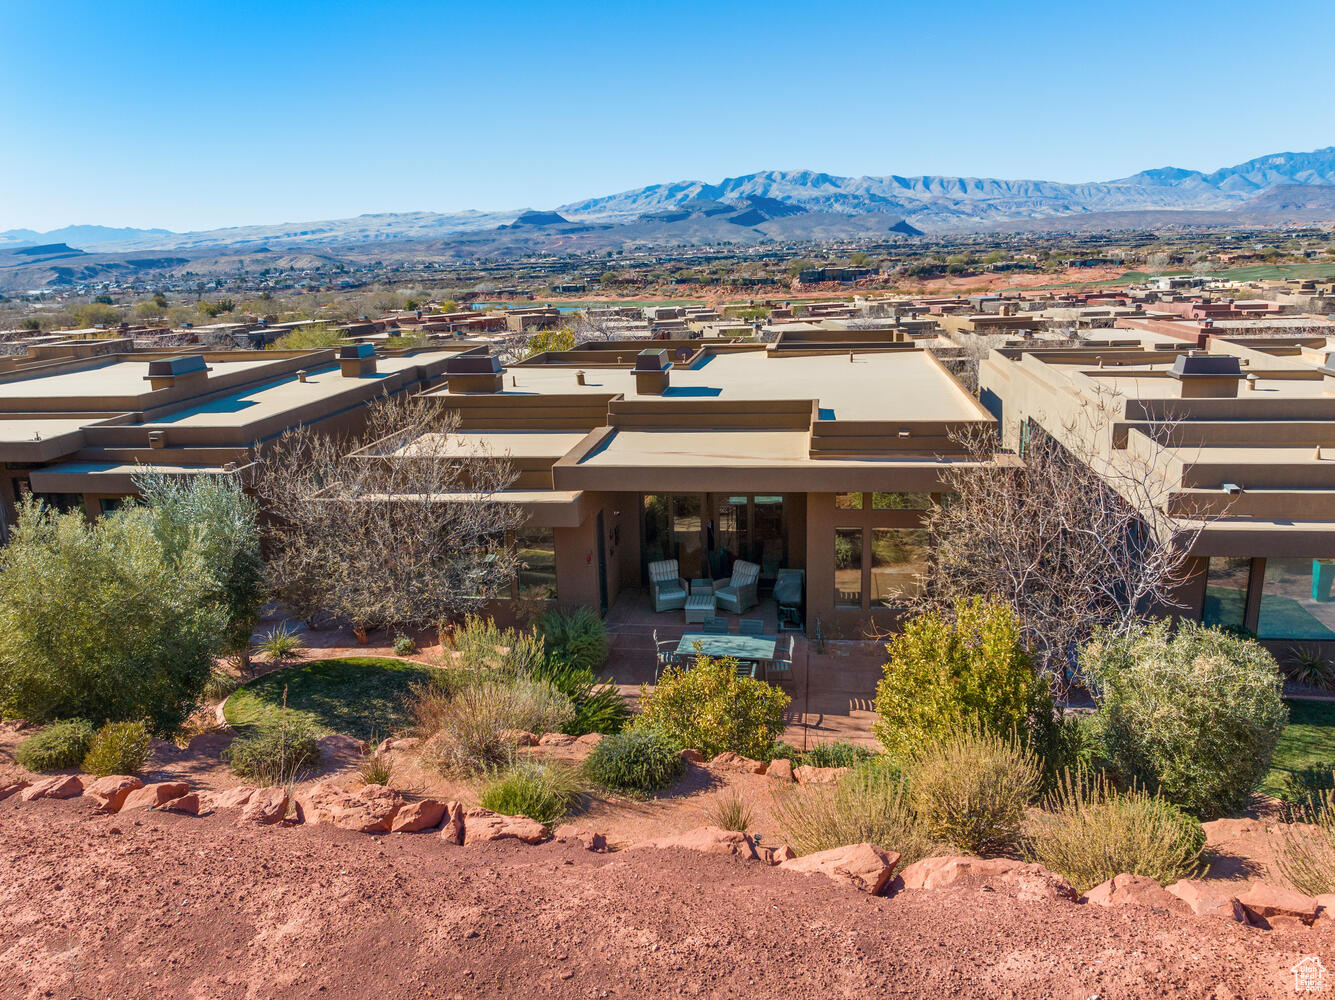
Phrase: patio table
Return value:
(751, 648)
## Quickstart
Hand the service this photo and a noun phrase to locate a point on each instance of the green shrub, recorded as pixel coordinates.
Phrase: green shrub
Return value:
(1090, 833)
(970, 791)
(545, 792)
(600, 707)
(710, 708)
(59, 746)
(638, 761)
(1304, 787)
(870, 804)
(836, 754)
(483, 645)
(404, 645)
(281, 643)
(577, 636)
(118, 748)
(966, 669)
(275, 755)
(729, 811)
(470, 720)
(1305, 850)
(781, 750)
(1192, 714)
(375, 769)
(220, 685)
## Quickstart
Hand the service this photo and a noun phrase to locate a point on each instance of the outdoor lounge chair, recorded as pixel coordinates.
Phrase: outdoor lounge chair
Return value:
(667, 586)
(751, 626)
(738, 595)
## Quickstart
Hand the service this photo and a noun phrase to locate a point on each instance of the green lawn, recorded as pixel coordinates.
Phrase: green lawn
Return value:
(361, 696)
(1309, 738)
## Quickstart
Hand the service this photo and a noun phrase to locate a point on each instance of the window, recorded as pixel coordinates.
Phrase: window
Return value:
(657, 544)
(1296, 600)
(536, 550)
(901, 501)
(848, 501)
(898, 560)
(63, 502)
(848, 567)
(1226, 592)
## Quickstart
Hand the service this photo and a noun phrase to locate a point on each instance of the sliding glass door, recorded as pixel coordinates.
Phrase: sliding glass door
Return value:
(707, 532)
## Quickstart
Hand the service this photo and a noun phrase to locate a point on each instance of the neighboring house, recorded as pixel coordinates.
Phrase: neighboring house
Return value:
(1249, 429)
(813, 456)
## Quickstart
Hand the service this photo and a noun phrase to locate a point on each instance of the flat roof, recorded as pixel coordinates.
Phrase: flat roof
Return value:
(519, 444)
(113, 378)
(731, 449)
(23, 430)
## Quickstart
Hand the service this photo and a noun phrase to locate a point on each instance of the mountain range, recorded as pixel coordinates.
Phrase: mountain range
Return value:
(779, 205)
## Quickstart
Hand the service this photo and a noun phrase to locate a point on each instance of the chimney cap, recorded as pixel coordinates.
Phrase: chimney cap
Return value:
(651, 361)
(473, 364)
(356, 352)
(1197, 365)
(185, 364)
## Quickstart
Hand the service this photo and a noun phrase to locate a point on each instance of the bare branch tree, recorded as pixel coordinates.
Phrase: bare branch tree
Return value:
(403, 524)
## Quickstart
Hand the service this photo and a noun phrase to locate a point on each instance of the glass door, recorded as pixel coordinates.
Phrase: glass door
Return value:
(688, 535)
(767, 535)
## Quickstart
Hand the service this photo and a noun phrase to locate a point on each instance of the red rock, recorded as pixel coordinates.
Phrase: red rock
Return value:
(591, 841)
(783, 853)
(780, 770)
(1262, 902)
(1206, 899)
(402, 744)
(693, 756)
(590, 739)
(233, 798)
(808, 775)
(418, 816)
(556, 740)
(336, 746)
(58, 786)
(730, 761)
(12, 788)
(1135, 890)
(707, 840)
(188, 804)
(481, 825)
(936, 873)
(452, 826)
(518, 738)
(154, 795)
(266, 807)
(1325, 904)
(111, 792)
(370, 809)
(863, 866)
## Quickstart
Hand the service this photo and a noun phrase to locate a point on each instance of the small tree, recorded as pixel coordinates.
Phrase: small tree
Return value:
(97, 622)
(710, 708)
(1192, 714)
(394, 527)
(965, 668)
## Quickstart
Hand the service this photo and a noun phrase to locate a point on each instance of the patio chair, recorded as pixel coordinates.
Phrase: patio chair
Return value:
(745, 668)
(715, 626)
(738, 594)
(665, 654)
(751, 626)
(667, 586)
(782, 664)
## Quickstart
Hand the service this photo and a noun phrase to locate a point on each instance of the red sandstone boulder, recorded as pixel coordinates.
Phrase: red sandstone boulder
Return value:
(556, 740)
(780, 770)
(189, 804)
(266, 807)
(59, 786)
(808, 775)
(1029, 883)
(518, 738)
(111, 792)
(1205, 899)
(1325, 906)
(12, 788)
(707, 840)
(730, 761)
(863, 866)
(369, 809)
(482, 825)
(402, 744)
(1135, 890)
(590, 740)
(452, 824)
(589, 840)
(692, 756)
(1266, 903)
(233, 798)
(418, 816)
(154, 795)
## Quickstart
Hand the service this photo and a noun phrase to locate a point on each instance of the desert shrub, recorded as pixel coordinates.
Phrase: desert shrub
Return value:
(970, 790)
(220, 685)
(1304, 787)
(639, 762)
(710, 708)
(404, 645)
(782, 750)
(1308, 666)
(281, 643)
(729, 811)
(836, 754)
(1305, 850)
(1090, 833)
(951, 670)
(600, 706)
(544, 792)
(118, 748)
(576, 636)
(1192, 714)
(375, 769)
(483, 645)
(276, 754)
(57, 747)
(470, 720)
(870, 804)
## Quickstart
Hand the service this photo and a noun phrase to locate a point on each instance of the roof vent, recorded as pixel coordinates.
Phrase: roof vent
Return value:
(1204, 376)
(357, 360)
(167, 373)
(651, 372)
(469, 373)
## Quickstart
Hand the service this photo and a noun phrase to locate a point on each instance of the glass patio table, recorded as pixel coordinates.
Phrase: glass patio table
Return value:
(751, 648)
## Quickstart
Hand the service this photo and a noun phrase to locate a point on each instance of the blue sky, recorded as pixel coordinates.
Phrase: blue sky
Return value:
(208, 113)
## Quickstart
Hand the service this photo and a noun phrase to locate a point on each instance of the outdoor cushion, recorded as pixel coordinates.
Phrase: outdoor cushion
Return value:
(666, 586)
(739, 595)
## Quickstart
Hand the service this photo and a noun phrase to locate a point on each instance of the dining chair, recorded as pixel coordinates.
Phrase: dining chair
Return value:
(715, 626)
(751, 626)
(665, 654)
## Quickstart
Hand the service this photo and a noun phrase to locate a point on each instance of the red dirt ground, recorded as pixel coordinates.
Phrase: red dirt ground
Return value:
(158, 905)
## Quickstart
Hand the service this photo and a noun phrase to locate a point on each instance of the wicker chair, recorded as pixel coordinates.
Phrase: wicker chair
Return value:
(715, 626)
(780, 669)
(751, 626)
(738, 595)
(667, 586)
(665, 654)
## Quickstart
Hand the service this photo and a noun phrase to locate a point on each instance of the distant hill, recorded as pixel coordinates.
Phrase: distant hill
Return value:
(81, 237)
